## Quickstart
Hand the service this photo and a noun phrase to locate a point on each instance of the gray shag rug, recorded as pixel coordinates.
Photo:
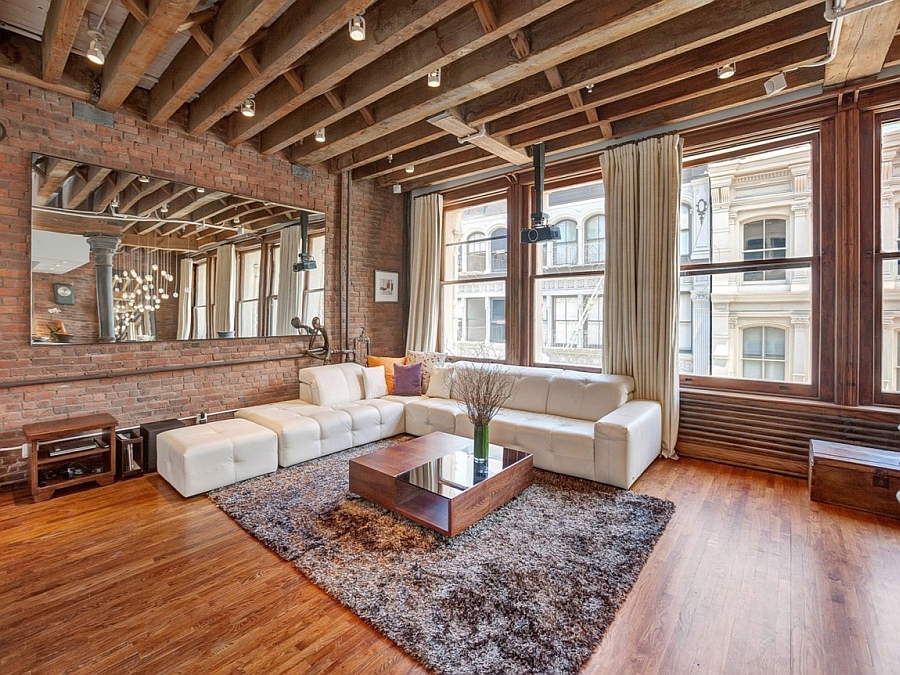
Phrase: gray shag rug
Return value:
(531, 588)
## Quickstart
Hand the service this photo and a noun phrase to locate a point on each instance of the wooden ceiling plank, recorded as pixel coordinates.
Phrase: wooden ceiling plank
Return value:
(233, 24)
(332, 97)
(713, 30)
(301, 28)
(367, 115)
(407, 64)
(292, 77)
(553, 42)
(54, 175)
(203, 40)
(863, 44)
(136, 48)
(137, 9)
(443, 147)
(751, 70)
(471, 155)
(759, 40)
(391, 23)
(21, 60)
(84, 187)
(60, 29)
(486, 15)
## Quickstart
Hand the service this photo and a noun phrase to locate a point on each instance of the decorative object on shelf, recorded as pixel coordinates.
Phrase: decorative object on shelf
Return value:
(481, 391)
(386, 286)
(63, 294)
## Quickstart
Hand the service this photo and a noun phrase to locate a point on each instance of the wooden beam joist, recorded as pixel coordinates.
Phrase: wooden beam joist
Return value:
(233, 24)
(21, 60)
(494, 66)
(301, 28)
(60, 28)
(391, 23)
(408, 64)
(136, 48)
(863, 44)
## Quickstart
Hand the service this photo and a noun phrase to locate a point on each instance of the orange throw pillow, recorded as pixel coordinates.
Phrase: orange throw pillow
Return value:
(388, 363)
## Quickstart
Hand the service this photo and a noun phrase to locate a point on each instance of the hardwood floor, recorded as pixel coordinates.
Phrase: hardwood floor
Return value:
(750, 577)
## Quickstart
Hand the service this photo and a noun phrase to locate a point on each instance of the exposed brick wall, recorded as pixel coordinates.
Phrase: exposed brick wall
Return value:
(41, 121)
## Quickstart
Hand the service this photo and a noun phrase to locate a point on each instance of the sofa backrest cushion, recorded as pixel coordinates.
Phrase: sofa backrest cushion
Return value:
(332, 384)
(530, 386)
(587, 396)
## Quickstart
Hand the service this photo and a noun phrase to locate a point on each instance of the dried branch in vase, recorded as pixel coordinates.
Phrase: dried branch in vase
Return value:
(481, 391)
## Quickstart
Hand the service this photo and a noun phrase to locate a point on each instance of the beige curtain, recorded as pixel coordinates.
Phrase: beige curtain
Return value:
(640, 318)
(424, 272)
(223, 319)
(290, 283)
(185, 297)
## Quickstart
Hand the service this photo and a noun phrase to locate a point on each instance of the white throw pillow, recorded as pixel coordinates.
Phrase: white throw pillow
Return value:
(429, 361)
(373, 378)
(439, 387)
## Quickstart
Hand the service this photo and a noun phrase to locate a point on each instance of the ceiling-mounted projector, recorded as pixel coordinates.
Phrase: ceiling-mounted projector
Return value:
(539, 231)
(533, 235)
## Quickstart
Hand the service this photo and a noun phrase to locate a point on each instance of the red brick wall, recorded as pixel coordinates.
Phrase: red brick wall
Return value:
(148, 381)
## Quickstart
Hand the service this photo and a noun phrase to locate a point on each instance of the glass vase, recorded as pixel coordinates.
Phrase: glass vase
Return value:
(481, 444)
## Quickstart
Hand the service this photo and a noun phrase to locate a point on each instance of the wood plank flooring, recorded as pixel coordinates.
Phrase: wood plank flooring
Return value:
(750, 577)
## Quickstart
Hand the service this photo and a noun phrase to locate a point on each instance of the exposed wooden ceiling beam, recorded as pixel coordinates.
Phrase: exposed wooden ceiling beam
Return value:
(159, 242)
(199, 18)
(442, 147)
(451, 123)
(553, 42)
(136, 48)
(114, 185)
(407, 64)
(427, 167)
(863, 44)
(137, 9)
(235, 22)
(60, 28)
(623, 56)
(53, 174)
(82, 187)
(391, 23)
(301, 28)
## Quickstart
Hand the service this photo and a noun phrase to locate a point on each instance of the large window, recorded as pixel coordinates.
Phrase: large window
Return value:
(473, 284)
(747, 297)
(248, 292)
(889, 268)
(200, 328)
(568, 291)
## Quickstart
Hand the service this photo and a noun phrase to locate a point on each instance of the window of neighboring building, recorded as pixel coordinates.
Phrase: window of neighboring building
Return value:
(764, 240)
(498, 250)
(248, 263)
(568, 291)
(473, 290)
(565, 249)
(476, 256)
(732, 324)
(887, 326)
(200, 327)
(595, 239)
(763, 353)
(684, 230)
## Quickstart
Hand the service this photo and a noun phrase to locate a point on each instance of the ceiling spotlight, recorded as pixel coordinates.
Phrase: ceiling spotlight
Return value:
(320, 135)
(248, 107)
(357, 28)
(236, 220)
(201, 190)
(434, 78)
(726, 71)
(589, 88)
(164, 208)
(410, 169)
(775, 84)
(397, 189)
(143, 179)
(95, 50)
(390, 159)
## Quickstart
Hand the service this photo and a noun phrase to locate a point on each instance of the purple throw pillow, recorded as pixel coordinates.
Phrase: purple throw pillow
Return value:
(407, 379)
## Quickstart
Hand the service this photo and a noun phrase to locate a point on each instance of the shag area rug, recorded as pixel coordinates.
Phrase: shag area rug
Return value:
(531, 588)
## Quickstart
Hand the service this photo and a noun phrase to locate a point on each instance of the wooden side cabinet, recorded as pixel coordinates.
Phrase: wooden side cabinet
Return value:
(69, 452)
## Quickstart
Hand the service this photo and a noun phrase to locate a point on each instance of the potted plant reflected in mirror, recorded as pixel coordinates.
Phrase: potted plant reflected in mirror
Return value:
(57, 328)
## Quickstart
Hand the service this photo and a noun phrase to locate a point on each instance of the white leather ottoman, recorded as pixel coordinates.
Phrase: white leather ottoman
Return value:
(203, 457)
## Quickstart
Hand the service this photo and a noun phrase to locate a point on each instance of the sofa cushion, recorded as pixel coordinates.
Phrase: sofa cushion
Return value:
(439, 387)
(587, 396)
(530, 387)
(388, 363)
(407, 379)
(430, 361)
(332, 384)
(375, 385)
(432, 414)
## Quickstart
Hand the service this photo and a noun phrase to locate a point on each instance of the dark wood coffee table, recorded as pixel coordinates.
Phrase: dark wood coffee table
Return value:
(435, 481)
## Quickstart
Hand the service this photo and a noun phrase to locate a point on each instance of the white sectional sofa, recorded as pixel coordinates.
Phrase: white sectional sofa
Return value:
(576, 423)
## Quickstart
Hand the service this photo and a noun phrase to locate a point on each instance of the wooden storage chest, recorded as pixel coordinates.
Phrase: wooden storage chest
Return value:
(860, 478)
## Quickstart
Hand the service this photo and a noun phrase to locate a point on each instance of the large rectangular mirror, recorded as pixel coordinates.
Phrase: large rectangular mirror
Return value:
(118, 256)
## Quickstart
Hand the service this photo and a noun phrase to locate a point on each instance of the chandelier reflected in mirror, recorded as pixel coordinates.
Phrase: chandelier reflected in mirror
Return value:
(142, 284)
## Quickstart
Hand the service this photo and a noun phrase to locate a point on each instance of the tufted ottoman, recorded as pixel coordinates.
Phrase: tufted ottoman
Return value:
(207, 456)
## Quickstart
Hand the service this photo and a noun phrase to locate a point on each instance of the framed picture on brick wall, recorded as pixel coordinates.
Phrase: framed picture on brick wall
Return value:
(386, 286)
